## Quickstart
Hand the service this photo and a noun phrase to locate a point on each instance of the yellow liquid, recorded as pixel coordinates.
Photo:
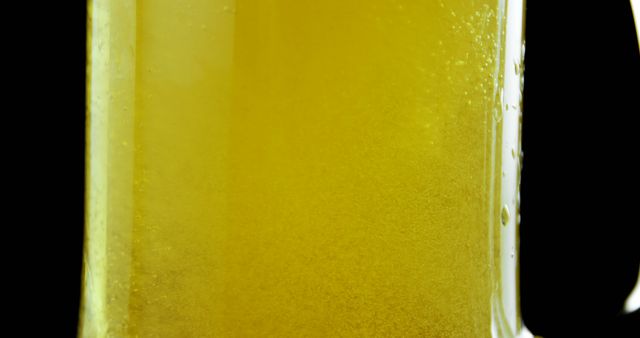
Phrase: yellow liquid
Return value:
(290, 168)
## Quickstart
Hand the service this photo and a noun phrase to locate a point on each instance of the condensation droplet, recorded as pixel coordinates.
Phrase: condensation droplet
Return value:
(504, 215)
(497, 115)
(513, 252)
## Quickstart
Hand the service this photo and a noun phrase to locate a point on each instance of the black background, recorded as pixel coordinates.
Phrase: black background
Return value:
(580, 245)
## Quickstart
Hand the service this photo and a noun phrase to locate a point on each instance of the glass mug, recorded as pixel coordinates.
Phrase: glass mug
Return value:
(303, 168)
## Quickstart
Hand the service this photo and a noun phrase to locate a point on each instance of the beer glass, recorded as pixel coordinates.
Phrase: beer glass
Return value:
(302, 168)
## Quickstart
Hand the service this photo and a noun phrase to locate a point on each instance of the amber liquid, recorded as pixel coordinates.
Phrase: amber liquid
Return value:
(290, 168)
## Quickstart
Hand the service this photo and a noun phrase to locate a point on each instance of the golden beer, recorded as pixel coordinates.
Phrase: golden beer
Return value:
(300, 168)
